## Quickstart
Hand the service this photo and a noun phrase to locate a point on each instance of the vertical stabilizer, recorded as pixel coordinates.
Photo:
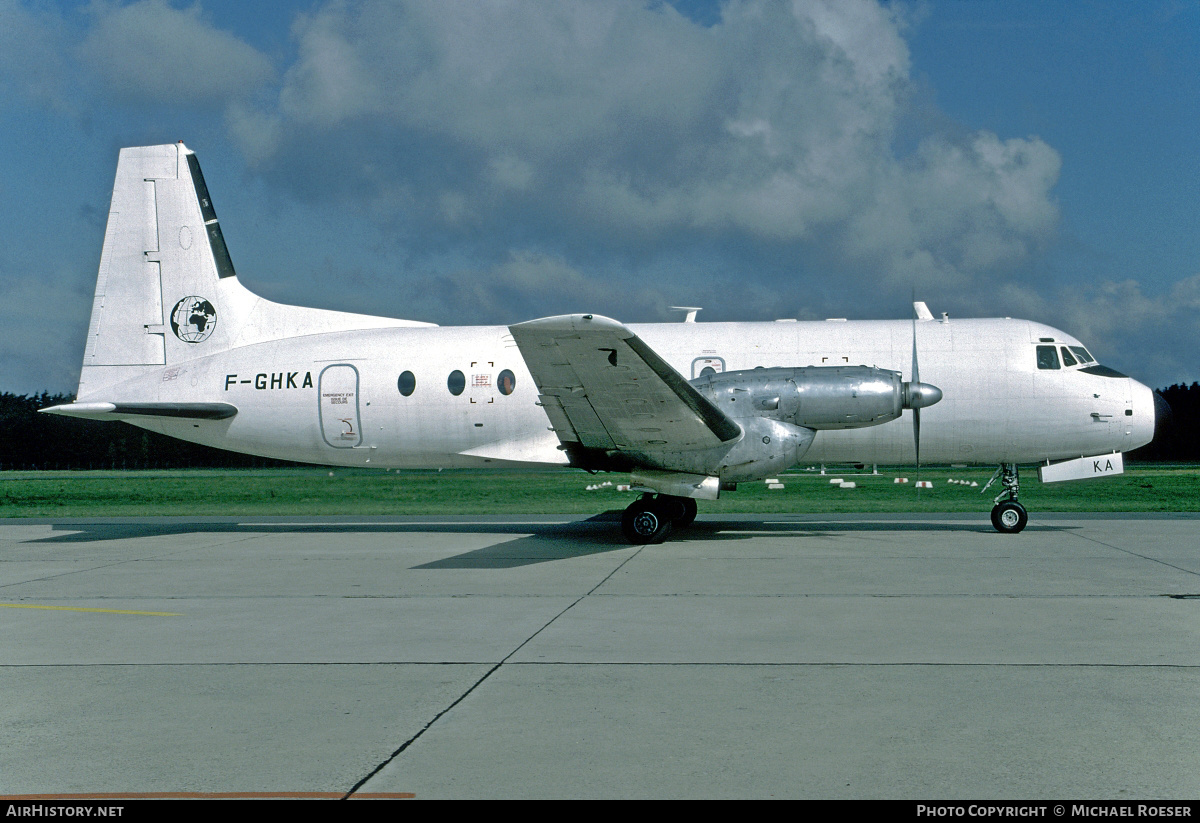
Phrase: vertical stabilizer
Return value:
(166, 291)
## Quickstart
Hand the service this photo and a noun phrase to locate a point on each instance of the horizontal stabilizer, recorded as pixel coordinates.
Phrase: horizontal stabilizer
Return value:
(115, 411)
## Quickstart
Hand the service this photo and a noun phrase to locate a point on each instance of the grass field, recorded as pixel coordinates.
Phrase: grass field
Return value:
(317, 491)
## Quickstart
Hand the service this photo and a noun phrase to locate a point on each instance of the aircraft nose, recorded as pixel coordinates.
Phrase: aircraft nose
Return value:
(1149, 414)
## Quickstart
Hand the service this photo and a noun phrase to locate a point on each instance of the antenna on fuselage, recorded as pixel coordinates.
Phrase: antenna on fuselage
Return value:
(690, 317)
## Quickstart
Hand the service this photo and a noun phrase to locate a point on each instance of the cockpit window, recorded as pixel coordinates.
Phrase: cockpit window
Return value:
(1047, 357)
(1082, 354)
(1068, 360)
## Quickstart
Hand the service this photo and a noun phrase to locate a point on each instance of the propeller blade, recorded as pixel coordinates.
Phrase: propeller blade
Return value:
(918, 395)
(917, 439)
(916, 381)
(916, 373)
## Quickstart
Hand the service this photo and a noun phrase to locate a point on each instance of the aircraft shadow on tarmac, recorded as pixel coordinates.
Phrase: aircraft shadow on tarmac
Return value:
(539, 542)
(576, 539)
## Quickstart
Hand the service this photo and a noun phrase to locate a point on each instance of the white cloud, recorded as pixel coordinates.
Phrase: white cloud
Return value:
(525, 285)
(150, 53)
(958, 211)
(623, 121)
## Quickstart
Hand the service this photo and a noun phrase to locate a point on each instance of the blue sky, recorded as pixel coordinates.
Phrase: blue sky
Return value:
(471, 162)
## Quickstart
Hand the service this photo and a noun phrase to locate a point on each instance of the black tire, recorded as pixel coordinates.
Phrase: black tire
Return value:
(1009, 517)
(645, 521)
(681, 510)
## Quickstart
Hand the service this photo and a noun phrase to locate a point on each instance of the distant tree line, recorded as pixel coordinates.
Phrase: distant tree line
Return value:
(1179, 440)
(29, 440)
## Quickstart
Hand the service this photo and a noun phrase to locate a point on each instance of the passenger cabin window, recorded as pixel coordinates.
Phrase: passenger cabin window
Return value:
(1068, 360)
(506, 382)
(407, 383)
(457, 381)
(1047, 357)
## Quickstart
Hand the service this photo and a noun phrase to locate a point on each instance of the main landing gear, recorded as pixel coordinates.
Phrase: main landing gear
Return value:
(650, 518)
(1008, 516)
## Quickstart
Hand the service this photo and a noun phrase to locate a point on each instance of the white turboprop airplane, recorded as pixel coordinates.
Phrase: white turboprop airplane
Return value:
(177, 345)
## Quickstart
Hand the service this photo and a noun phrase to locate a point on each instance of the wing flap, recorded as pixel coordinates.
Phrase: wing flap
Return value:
(603, 388)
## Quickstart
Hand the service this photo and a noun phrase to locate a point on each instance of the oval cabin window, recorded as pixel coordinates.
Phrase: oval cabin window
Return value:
(407, 383)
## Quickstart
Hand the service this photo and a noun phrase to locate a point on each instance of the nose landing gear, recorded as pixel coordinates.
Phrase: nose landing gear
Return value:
(1008, 516)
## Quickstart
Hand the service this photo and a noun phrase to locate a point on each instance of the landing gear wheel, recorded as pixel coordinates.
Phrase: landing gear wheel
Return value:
(681, 510)
(1009, 517)
(646, 521)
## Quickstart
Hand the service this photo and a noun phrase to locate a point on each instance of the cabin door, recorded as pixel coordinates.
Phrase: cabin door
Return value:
(337, 392)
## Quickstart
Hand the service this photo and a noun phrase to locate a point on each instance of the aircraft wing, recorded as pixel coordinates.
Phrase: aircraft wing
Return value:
(606, 391)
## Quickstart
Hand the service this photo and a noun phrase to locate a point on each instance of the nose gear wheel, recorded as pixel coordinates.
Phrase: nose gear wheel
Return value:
(1008, 516)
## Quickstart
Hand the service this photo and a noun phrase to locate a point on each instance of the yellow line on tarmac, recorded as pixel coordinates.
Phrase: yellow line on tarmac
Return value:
(80, 609)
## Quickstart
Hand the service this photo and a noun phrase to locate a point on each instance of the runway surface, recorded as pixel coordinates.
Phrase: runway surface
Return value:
(859, 656)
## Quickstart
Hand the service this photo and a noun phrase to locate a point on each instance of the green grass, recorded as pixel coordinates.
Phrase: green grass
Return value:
(316, 491)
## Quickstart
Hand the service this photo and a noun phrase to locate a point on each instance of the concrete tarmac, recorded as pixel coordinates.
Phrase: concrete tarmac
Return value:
(831, 656)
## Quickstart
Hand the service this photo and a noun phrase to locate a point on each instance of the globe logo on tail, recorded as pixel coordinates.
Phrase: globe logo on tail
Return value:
(193, 319)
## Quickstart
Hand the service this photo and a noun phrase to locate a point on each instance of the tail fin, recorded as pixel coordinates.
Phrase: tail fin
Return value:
(167, 291)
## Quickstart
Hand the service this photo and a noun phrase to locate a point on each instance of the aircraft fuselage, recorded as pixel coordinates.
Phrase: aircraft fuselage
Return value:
(336, 398)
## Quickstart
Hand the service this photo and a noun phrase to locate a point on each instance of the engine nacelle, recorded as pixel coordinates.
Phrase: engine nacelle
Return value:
(817, 397)
(766, 446)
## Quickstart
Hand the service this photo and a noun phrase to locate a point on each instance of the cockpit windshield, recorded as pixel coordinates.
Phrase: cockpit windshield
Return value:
(1073, 357)
(1082, 354)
